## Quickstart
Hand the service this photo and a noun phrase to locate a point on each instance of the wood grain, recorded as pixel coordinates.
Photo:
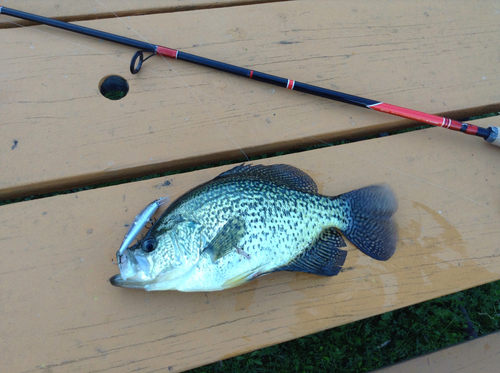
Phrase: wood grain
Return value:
(59, 132)
(61, 314)
(94, 9)
(481, 355)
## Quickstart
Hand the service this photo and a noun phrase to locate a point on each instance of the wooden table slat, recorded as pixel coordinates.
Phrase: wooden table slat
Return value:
(60, 312)
(59, 132)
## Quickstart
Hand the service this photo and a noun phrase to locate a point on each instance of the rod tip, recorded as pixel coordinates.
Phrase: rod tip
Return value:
(494, 137)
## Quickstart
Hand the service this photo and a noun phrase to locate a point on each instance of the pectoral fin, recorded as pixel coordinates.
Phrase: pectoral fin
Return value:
(227, 239)
(322, 258)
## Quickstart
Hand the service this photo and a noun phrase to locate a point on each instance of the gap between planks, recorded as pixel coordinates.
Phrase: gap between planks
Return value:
(135, 12)
(472, 356)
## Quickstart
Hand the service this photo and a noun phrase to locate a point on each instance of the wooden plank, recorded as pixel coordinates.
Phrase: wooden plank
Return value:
(476, 356)
(93, 9)
(59, 132)
(60, 312)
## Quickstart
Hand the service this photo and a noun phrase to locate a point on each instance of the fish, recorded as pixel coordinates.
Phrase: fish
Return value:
(253, 220)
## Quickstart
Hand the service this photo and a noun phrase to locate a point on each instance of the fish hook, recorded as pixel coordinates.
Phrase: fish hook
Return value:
(138, 55)
(150, 223)
(119, 260)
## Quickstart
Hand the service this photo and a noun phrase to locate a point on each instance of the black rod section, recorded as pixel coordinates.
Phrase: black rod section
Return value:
(79, 29)
(222, 66)
(276, 80)
(236, 70)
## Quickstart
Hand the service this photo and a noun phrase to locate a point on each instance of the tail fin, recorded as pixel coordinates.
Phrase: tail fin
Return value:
(371, 224)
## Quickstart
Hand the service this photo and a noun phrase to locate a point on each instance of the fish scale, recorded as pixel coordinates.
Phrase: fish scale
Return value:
(268, 235)
(255, 220)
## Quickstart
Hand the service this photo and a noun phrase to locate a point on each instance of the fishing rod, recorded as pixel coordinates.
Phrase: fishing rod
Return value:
(490, 134)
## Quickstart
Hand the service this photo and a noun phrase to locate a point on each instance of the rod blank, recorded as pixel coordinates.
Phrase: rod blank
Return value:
(490, 134)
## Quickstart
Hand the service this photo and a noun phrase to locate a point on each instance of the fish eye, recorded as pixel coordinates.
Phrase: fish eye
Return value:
(148, 245)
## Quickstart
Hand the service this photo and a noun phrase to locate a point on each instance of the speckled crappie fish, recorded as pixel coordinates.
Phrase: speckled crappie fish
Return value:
(255, 220)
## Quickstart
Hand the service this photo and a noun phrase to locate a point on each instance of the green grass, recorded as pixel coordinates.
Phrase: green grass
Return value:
(380, 340)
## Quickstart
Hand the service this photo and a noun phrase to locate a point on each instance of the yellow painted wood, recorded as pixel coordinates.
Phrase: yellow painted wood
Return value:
(60, 313)
(94, 9)
(481, 355)
(59, 132)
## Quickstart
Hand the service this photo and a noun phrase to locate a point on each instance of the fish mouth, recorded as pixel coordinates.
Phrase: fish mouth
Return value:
(118, 281)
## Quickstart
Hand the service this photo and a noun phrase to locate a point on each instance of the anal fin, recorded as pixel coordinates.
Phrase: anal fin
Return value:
(323, 257)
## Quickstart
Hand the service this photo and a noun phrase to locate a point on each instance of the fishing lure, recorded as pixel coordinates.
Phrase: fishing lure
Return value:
(490, 134)
(138, 224)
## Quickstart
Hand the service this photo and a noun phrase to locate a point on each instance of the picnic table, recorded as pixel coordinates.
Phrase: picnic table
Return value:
(59, 312)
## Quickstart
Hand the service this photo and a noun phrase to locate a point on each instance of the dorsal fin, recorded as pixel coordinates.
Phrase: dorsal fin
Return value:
(281, 174)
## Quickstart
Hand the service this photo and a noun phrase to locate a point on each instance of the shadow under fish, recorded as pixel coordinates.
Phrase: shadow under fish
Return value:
(254, 220)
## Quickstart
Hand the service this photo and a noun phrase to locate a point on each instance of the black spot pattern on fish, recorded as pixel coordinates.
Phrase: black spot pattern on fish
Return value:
(283, 215)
